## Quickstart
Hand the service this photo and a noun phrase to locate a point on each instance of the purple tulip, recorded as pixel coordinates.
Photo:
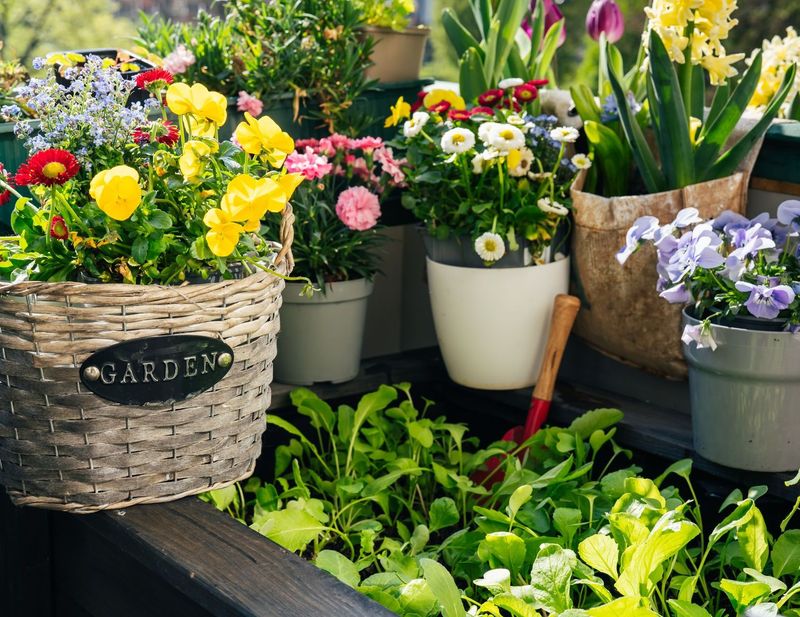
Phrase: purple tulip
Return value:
(604, 17)
(766, 299)
(552, 15)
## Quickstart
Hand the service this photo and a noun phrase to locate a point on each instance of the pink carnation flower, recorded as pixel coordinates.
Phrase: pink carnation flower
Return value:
(250, 104)
(358, 208)
(179, 60)
(326, 147)
(311, 165)
(339, 142)
(367, 144)
(390, 165)
(302, 144)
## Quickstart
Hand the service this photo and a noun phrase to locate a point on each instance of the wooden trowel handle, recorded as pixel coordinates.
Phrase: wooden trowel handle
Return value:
(565, 309)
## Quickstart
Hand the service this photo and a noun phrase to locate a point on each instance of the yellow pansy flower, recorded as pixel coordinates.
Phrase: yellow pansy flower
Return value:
(197, 100)
(223, 234)
(439, 95)
(288, 184)
(200, 127)
(191, 162)
(400, 110)
(264, 134)
(117, 191)
(249, 199)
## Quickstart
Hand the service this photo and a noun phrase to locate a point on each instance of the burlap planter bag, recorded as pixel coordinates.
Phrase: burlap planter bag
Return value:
(62, 447)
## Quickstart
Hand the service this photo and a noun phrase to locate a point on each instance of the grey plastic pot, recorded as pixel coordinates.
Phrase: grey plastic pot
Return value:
(745, 398)
(321, 337)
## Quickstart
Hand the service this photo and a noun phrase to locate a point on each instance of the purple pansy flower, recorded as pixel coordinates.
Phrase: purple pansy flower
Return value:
(767, 298)
(697, 248)
(686, 217)
(730, 219)
(642, 229)
(700, 334)
(749, 240)
(789, 212)
(678, 294)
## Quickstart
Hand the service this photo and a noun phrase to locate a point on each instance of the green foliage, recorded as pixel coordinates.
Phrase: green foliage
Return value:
(393, 14)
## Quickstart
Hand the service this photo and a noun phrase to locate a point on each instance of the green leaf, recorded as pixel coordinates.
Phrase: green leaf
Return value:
(567, 521)
(593, 420)
(587, 107)
(222, 498)
(516, 606)
(313, 407)
(416, 598)
(503, 549)
(612, 157)
(139, 249)
(460, 38)
(160, 219)
(549, 48)
(372, 403)
(774, 584)
(292, 529)
(742, 595)
(601, 553)
(669, 115)
(687, 609)
(734, 520)
(521, 495)
(421, 432)
(629, 607)
(550, 578)
(795, 508)
(419, 539)
(443, 586)
(472, 78)
(509, 15)
(340, 566)
(786, 554)
(443, 513)
(682, 468)
(378, 485)
(482, 12)
(754, 541)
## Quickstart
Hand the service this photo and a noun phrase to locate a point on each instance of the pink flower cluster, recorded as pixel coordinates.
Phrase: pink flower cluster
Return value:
(312, 166)
(179, 60)
(250, 104)
(358, 208)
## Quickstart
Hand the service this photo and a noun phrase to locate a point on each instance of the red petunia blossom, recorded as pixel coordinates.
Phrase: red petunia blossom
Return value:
(490, 98)
(526, 93)
(58, 228)
(440, 107)
(418, 103)
(6, 194)
(538, 82)
(487, 111)
(164, 132)
(459, 114)
(47, 168)
(154, 79)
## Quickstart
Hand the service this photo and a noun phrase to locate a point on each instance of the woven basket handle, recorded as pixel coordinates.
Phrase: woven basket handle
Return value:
(286, 238)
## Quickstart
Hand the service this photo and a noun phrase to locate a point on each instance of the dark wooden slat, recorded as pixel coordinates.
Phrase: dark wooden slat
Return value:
(24, 561)
(186, 558)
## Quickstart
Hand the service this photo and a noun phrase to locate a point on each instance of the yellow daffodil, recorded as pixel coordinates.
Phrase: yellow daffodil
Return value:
(439, 95)
(192, 162)
(400, 111)
(249, 199)
(199, 101)
(264, 134)
(223, 234)
(117, 191)
(288, 183)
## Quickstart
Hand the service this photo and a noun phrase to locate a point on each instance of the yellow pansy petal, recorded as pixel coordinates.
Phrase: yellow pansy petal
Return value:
(252, 225)
(179, 99)
(289, 182)
(439, 95)
(117, 191)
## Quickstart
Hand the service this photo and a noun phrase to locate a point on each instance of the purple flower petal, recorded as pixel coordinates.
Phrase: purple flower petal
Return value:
(679, 294)
(686, 217)
(789, 212)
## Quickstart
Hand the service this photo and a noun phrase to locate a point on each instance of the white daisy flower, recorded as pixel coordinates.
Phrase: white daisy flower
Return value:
(412, 127)
(564, 134)
(485, 129)
(516, 120)
(524, 165)
(505, 138)
(540, 175)
(490, 154)
(581, 161)
(478, 163)
(490, 246)
(458, 141)
(552, 207)
(511, 82)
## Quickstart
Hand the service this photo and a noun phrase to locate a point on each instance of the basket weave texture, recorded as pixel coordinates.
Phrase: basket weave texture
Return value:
(64, 448)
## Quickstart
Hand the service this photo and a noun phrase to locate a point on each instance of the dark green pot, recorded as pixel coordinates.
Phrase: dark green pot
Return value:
(12, 155)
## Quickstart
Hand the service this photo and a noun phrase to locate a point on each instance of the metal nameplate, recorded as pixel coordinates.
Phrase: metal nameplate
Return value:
(157, 369)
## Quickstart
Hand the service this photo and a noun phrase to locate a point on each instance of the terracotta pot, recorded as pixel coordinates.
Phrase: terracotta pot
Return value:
(397, 55)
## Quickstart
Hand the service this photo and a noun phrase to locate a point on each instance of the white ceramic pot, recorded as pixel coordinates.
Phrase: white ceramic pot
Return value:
(492, 325)
(321, 337)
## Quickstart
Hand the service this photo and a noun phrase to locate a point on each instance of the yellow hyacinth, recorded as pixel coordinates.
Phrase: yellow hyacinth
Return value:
(223, 234)
(778, 54)
(264, 135)
(117, 191)
(192, 162)
(199, 101)
(400, 110)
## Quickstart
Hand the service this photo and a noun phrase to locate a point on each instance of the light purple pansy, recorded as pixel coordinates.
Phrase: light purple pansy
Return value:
(789, 212)
(643, 228)
(677, 294)
(767, 299)
(700, 334)
(730, 219)
(686, 217)
(750, 240)
(697, 248)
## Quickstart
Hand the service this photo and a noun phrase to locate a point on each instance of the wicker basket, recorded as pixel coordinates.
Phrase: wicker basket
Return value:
(64, 448)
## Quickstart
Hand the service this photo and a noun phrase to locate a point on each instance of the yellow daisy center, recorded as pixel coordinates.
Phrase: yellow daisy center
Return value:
(490, 245)
(507, 134)
(53, 170)
(458, 138)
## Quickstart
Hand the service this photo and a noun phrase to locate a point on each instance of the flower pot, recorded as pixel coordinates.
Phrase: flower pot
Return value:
(12, 154)
(113, 395)
(492, 324)
(321, 337)
(744, 397)
(460, 251)
(397, 55)
(622, 314)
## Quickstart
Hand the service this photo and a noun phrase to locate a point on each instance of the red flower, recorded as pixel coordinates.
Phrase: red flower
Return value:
(440, 107)
(538, 82)
(490, 98)
(164, 132)
(418, 103)
(488, 111)
(459, 114)
(47, 167)
(154, 79)
(58, 228)
(526, 93)
(6, 194)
